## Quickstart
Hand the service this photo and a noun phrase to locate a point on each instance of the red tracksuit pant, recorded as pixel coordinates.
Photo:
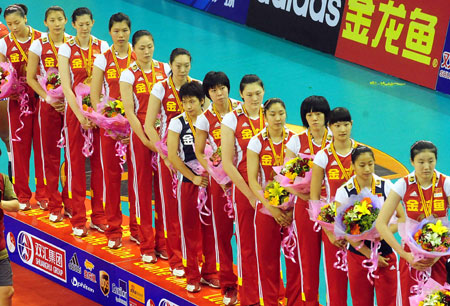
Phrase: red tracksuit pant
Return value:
(362, 290)
(196, 237)
(336, 280)
(309, 247)
(141, 162)
(269, 235)
(223, 232)
(51, 123)
(75, 189)
(111, 193)
(29, 135)
(438, 273)
(170, 216)
(160, 240)
(245, 240)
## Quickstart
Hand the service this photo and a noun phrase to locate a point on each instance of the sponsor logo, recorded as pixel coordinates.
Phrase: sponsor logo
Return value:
(413, 194)
(171, 96)
(165, 302)
(78, 284)
(88, 265)
(136, 292)
(74, 264)
(150, 303)
(104, 282)
(90, 276)
(42, 255)
(11, 242)
(121, 292)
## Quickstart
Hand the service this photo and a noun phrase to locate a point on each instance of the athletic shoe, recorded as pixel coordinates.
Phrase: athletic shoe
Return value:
(43, 204)
(55, 217)
(68, 212)
(230, 297)
(24, 206)
(115, 243)
(80, 231)
(149, 258)
(135, 239)
(99, 227)
(212, 282)
(193, 288)
(162, 254)
(178, 272)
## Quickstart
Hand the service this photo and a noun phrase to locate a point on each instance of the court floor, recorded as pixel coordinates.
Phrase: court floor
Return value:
(388, 113)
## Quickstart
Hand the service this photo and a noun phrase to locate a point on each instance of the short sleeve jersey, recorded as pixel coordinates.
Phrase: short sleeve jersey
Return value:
(47, 53)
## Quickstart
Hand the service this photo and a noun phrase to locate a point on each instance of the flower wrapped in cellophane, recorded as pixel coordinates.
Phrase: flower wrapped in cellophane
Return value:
(322, 213)
(51, 83)
(83, 97)
(295, 173)
(433, 294)
(278, 196)
(8, 80)
(202, 196)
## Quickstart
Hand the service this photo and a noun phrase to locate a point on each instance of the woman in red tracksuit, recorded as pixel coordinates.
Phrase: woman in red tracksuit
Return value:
(216, 87)
(424, 192)
(195, 235)
(265, 151)
(334, 165)
(14, 49)
(165, 101)
(106, 73)
(43, 56)
(238, 127)
(135, 86)
(76, 58)
(314, 112)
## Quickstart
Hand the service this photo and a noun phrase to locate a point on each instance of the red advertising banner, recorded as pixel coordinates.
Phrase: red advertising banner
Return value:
(403, 38)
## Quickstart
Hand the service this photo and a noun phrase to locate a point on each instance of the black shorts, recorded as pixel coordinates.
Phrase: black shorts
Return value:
(6, 274)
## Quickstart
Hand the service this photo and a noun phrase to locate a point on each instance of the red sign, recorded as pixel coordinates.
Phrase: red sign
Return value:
(403, 38)
(42, 255)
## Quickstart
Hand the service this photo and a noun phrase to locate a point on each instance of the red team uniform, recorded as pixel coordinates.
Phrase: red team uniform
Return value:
(308, 240)
(141, 171)
(210, 121)
(244, 129)
(436, 197)
(337, 170)
(16, 53)
(269, 233)
(74, 191)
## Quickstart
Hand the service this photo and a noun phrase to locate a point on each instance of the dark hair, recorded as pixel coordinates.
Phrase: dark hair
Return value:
(272, 101)
(356, 152)
(213, 79)
(422, 145)
(339, 114)
(119, 17)
(19, 8)
(54, 8)
(192, 89)
(314, 104)
(179, 51)
(249, 79)
(80, 12)
(138, 34)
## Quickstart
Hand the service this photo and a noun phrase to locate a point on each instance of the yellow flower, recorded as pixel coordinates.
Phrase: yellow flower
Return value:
(291, 175)
(362, 209)
(266, 194)
(310, 163)
(119, 105)
(274, 201)
(438, 227)
(276, 190)
(291, 162)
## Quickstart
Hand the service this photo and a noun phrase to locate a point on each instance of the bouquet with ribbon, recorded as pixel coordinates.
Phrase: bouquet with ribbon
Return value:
(51, 83)
(322, 213)
(82, 93)
(162, 147)
(432, 294)
(295, 173)
(8, 80)
(203, 210)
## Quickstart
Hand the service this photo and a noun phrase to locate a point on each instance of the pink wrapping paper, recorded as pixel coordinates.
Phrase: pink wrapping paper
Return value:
(314, 210)
(56, 95)
(300, 184)
(428, 288)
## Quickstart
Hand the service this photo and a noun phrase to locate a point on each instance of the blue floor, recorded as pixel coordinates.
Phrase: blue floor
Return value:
(389, 118)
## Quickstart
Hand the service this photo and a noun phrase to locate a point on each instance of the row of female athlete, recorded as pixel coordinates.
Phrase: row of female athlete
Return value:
(252, 138)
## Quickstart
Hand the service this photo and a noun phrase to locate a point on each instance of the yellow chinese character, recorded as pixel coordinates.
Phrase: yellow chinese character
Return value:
(15, 58)
(77, 63)
(412, 205)
(140, 88)
(171, 106)
(439, 205)
(394, 29)
(266, 160)
(333, 174)
(216, 133)
(420, 37)
(360, 23)
(111, 73)
(348, 171)
(246, 134)
(49, 62)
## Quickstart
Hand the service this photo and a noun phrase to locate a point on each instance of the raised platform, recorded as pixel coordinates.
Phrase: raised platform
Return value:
(88, 267)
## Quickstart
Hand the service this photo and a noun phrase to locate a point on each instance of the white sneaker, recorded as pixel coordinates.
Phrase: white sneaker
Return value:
(178, 272)
(149, 258)
(24, 206)
(58, 217)
(80, 231)
(115, 243)
(135, 240)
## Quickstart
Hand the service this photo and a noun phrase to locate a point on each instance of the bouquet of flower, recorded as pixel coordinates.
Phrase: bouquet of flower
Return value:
(8, 80)
(51, 83)
(433, 237)
(215, 167)
(278, 196)
(323, 213)
(202, 196)
(112, 119)
(295, 173)
(432, 294)
(82, 93)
